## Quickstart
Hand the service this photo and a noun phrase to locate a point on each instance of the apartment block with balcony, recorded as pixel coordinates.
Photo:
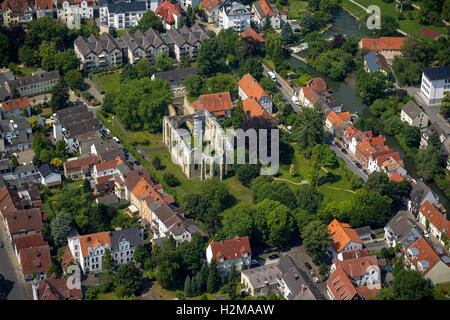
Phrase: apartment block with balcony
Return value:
(122, 15)
(234, 15)
(187, 42)
(146, 45)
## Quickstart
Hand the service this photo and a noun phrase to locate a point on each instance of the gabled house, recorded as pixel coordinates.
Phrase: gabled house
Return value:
(17, 11)
(376, 62)
(80, 168)
(391, 166)
(292, 283)
(435, 127)
(420, 193)
(335, 122)
(218, 104)
(253, 38)
(434, 221)
(400, 229)
(28, 241)
(125, 183)
(23, 222)
(175, 78)
(16, 135)
(263, 10)
(169, 12)
(53, 288)
(343, 238)
(187, 41)
(142, 45)
(308, 97)
(15, 108)
(106, 168)
(352, 137)
(44, 8)
(379, 157)
(235, 251)
(122, 14)
(389, 47)
(212, 8)
(35, 261)
(33, 84)
(262, 280)
(66, 10)
(234, 15)
(50, 177)
(414, 115)
(249, 88)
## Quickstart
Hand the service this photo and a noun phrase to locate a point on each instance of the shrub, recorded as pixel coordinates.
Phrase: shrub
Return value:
(171, 180)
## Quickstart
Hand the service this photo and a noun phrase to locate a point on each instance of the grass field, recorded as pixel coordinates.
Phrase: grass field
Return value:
(409, 26)
(107, 296)
(111, 82)
(146, 139)
(27, 71)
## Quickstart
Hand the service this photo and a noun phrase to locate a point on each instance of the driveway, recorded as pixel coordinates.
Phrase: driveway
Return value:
(15, 286)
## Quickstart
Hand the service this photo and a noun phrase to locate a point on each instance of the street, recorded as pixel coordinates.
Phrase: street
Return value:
(15, 286)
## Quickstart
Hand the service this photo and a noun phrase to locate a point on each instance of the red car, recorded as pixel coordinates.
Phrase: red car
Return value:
(338, 144)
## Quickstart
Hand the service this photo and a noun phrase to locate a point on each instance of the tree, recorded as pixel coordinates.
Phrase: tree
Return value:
(163, 62)
(412, 136)
(232, 282)
(193, 84)
(429, 163)
(150, 20)
(389, 26)
(287, 35)
(60, 96)
(128, 276)
(28, 56)
(61, 149)
(247, 172)
(14, 161)
(308, 130)
(156, 162)
(316, 239)
(408, 285)
(221, 83)
(321, 156)
(280, 226)
(371, 85)
(105, 281)
(268, 85)
(392, 126)
(60, 228)
(129, 72)
(168, 262)
(252, 65)
(238, 221)
(4, 50)
(309, 198)
(108, 261)
(267, 25)
(188, 290)
(140, 254)
(445, 107)
(145, 68)
(213, 283)
(57, 162)
(74, 79)
(86, 186)
(191, 254)
(171, 180)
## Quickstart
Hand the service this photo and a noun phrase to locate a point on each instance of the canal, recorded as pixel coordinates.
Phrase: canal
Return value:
(345, 91)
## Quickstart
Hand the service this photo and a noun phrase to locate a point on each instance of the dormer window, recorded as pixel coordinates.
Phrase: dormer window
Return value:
(221, 260)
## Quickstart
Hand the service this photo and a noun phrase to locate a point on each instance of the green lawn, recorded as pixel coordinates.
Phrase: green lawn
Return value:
(296, 6)
(27, 71)
(442, 290)
(107, 296)
(406, 25)
(146, 139)
(111, 82)
(353, 8)
(121, 31)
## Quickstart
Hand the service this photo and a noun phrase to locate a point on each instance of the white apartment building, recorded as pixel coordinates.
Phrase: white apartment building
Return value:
(84, 9)
(121, 15)
(33, 84)
(435, 82)
(234, 15)
(235, 251)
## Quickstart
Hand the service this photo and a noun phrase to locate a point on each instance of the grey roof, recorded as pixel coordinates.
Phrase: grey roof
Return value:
(141, 40)
(262, 276)
(412, 109)
(118, 7)
(294, 278)
(113, 154)
(403, 229)
(175, 77)
(78, 120)
(232, 8)
(26, 81)
(24, 168)
(418, 193)
(363, 230)
(133, 235)
(437, 73)
(46, 170)
(95, 44)
(6, 76)
(185, 35)
(109, 199)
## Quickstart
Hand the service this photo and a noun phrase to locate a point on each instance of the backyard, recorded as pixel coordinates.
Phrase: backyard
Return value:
(111, 82)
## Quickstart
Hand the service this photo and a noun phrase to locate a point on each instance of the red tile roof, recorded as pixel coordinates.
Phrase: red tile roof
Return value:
(357, 267)
(66, 258)
(429, 33)
(17, 6)
(209, 5)
(93, 240)
(354, 254)
(35, 260)
(254, 110)
(29, 241)
(44, 4)
(251, 87)
(426, 253)
(317, 84)
(383, 43)
(167, 9)
(214, 102)
(310, 94)
(337, 119)
(9, 201)
(396, 177)
(250, 33)
(82, 163)
(231, 249)
(341, 235)
(24, 220)
(266, 8)
(56, 289)
(341, 286)
(384, 155)
(132, 178)
(435, 216)
(108, 164)
(15, 104)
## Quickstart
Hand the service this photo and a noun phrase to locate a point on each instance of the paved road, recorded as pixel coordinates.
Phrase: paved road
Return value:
(16, 288)
(346, 158)
(287, 96)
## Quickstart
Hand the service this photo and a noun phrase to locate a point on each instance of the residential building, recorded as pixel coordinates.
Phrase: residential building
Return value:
(15, 108)
(27, 172)
(67, 9)
(23, 222)
(106, 168)
(235, 251)
(28, 241)
(253, 38)
(88, 250)
(33, 84)
(187, 42)
(249, 88)
(80, 168)
(192, 3)
(420, 256)
(212, 8)
(376, 62)
(218, 104)
(352, 137)
(258, 116)
(343, 238)
(391, 166)
(9, 201)
(98, 52)
(44, 8)
(363, 270)
(379, 157)
(420, 193)
(126, 182)
(17, 11)
(400, 229)
(308, 97)
(414, 115)
(434, 221)
(51, 177)
(263, 10)
(397, 177)
(364, 233)
(435, 127)
(123, 14)
(35, 261)
(335, 122)
(16, 135)
(4, 77)
(234, 15)
(175, 78)
(389, 47)
(146, 45)
(435, 82)
(54, 288)
(291, 281)
(261, 281)
(169, 12)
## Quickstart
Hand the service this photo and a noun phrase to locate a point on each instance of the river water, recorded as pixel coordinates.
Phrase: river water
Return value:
(345, 92)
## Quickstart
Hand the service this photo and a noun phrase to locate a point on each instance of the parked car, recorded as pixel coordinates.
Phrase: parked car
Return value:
(308, 266)
(365, 172)
(137, 163)
(338, 145)
(272, 76)
(295, 100)
(344, 151)
(425, 234)
(316, 280)
(312, 273)
(273, 256)
(1, 244)
(358, 165)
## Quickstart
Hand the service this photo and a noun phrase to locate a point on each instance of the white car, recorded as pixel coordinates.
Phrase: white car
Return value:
(425, 234)
(316, 280)
(295, 100)
(272, 76)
